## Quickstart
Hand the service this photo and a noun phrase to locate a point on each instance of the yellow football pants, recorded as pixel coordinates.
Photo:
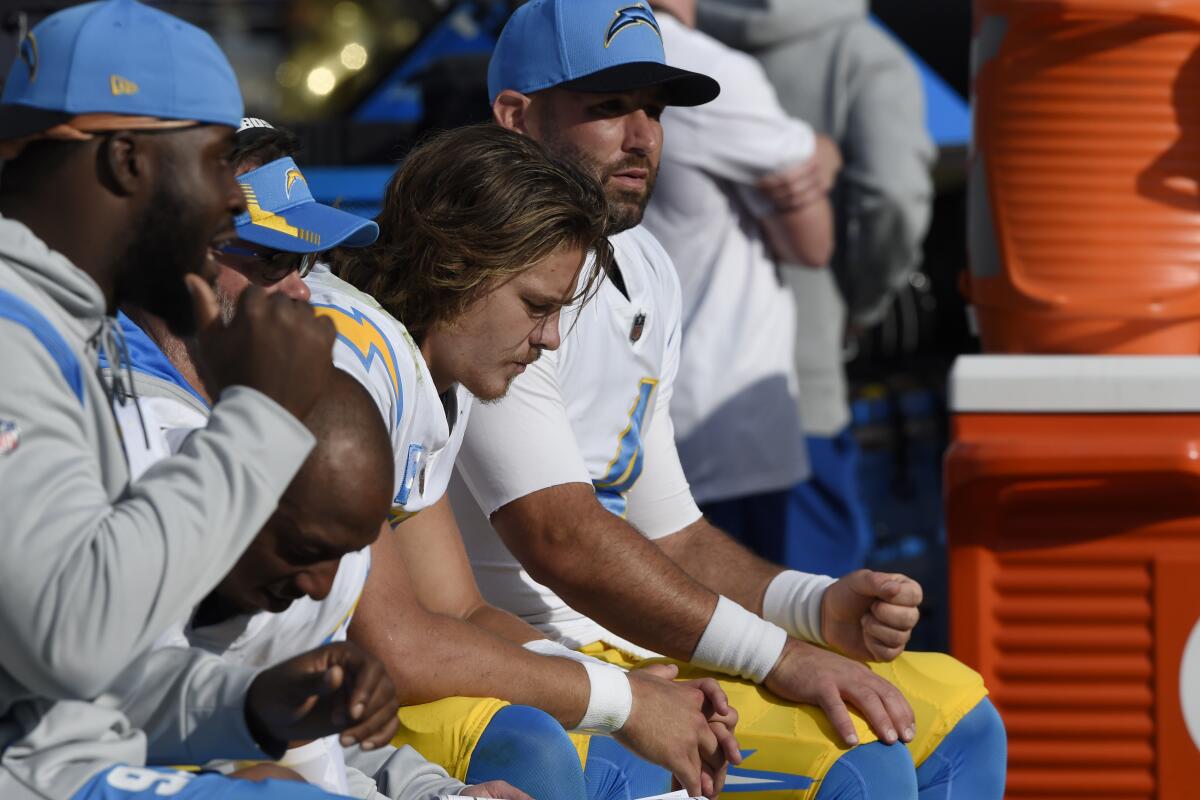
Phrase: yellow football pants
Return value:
(786, 737)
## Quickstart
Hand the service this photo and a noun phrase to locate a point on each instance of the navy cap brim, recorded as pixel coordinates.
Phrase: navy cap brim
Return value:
(680, 87)
(334, 227)
(18, 120)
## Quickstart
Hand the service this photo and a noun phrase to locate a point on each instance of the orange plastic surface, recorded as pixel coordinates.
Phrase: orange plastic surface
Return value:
(1074, 583)
(1088, 125)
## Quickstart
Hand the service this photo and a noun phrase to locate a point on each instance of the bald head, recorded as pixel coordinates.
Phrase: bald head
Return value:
(351, 466)
(335, 505)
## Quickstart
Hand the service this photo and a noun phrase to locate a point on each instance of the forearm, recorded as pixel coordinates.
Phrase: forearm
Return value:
(711, 557)
(802, 236)
(431, 656)
(564, 538)
(111, 578)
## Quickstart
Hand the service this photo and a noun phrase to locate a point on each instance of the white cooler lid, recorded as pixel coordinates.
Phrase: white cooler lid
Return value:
(1063, 384)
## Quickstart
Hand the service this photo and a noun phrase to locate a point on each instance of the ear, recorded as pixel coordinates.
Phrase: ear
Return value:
(511, 111)
(124, 162)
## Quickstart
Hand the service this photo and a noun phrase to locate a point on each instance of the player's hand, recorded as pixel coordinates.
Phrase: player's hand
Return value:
(337, 688)
(685, 727)
(496, 789)
(808, 674)
(273, 344)
(871, 615)
(794, 187)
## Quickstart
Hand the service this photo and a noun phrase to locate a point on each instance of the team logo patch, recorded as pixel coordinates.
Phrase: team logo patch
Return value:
(28, 51)
(291, 177)
(121, 85)
(628, 17)
(414, 465)
(639, 325)
(10, 436)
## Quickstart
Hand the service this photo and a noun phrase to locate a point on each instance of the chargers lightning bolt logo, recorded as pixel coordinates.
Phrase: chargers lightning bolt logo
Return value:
(291, 177)
(358, 332)
(628, 17)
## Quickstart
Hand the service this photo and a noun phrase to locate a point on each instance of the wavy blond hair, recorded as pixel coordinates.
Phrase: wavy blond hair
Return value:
(468, 209)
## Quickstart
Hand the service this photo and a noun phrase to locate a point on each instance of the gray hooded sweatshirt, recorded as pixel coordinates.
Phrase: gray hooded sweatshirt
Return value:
(92, 568)
(835, 69)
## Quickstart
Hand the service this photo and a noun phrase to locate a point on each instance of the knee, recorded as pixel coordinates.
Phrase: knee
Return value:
(535, 733)
(984, 725)
(525, 745)
(871, 772)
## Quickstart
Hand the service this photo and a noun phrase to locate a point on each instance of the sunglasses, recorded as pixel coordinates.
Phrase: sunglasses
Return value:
(264, 265)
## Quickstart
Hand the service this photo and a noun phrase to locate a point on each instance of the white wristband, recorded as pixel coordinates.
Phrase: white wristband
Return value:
(739, 642)
(610, 701)
(793, 602)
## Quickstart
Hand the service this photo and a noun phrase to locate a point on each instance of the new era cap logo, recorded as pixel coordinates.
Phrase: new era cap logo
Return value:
(629, 17)
(121, 85)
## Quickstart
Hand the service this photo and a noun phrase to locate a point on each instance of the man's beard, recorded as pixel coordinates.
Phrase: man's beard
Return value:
(625, 207)
(169, 244)
(226, 303)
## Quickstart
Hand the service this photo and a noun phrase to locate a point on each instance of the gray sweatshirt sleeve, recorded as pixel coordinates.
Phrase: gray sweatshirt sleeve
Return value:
(86, 582)
(191, 706)
(398, 774)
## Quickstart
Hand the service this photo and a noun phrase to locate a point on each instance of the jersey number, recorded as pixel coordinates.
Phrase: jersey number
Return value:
(137, 779)
(623, 471)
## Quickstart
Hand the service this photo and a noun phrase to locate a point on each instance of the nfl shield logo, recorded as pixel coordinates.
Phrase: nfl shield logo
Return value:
(10, 436)
(639, 323)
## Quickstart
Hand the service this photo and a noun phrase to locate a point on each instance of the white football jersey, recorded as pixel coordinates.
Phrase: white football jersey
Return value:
(426, 428)
(594, 411)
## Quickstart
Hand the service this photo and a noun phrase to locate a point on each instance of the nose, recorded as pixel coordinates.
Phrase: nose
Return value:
(546, 336)
(643, 133)
(292, 286)
(317, 581)
(235, 198)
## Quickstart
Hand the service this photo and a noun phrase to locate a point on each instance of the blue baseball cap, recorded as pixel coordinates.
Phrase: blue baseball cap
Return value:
(590, 46)
(117, 57)
(282, 214)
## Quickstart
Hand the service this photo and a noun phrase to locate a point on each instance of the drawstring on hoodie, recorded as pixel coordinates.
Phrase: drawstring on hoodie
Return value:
(109, 340)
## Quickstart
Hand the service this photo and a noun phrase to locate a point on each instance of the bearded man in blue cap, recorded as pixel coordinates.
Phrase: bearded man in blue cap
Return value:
(591, 533)
(117, 122)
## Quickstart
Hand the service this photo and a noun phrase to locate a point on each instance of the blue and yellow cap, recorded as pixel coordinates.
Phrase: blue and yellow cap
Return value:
(590, 46)
(282, 214)
(117, 57)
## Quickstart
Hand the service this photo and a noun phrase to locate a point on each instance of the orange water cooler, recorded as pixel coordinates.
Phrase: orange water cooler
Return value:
(1084, 208)
(1073, 514)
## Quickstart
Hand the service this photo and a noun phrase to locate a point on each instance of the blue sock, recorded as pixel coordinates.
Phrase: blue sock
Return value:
(874, 771)
(640, 777)
(971, 762)
(529, 749)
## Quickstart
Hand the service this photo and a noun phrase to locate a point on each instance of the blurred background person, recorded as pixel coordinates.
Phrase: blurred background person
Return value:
(742, 195)
(838, 71)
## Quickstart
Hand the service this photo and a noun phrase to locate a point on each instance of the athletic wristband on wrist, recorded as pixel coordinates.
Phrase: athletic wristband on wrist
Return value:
(611, 698)
(610, 701)
(739, 642)
(549, 647)
(793, 602)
